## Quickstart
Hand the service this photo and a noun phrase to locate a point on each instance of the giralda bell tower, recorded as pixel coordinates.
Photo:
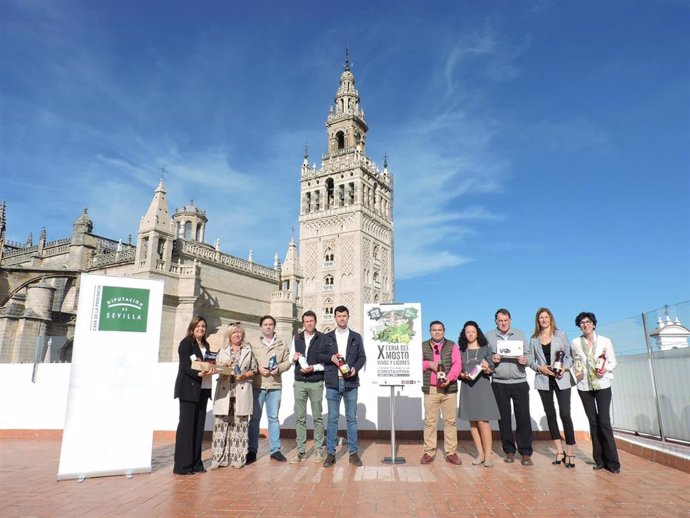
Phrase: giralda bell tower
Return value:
(346, 217)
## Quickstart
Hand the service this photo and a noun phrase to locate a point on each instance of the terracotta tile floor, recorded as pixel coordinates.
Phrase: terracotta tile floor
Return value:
(28, 487)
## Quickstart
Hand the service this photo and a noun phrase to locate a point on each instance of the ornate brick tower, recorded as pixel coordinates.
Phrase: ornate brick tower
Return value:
(346, 217)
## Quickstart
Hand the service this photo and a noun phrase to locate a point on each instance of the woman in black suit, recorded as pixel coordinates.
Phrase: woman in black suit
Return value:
(193, 389)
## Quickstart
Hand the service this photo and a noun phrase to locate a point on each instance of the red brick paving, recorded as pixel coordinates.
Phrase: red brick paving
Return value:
(28, 487)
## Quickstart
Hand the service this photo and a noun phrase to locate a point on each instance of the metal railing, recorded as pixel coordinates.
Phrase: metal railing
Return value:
(651, 394)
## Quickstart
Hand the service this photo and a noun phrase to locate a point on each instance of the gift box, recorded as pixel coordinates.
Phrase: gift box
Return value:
(219, 369)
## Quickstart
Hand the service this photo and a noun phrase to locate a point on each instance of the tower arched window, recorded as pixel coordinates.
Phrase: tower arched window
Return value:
(329, 193)
(327, 310)
(328, 258)
(340, 138)
(188, 230)
(328, 282)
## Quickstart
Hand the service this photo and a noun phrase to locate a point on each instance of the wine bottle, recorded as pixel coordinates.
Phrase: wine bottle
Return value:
(272, 363)
(600, 364)
(344, 367)
(441, 373)
(557, 367)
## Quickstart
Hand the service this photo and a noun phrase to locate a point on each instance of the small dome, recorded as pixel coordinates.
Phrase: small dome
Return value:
(190, 209)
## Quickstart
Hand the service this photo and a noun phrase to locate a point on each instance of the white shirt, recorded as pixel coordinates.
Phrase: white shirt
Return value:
(307, 340)
(341, 338)
(206, 381)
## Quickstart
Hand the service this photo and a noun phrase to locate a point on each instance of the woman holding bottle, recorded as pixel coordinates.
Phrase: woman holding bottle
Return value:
(477, 401)
(233, 401)
(552, 361)
(595, 360)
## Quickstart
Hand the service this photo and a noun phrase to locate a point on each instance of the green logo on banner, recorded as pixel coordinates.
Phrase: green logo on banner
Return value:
(123, 309)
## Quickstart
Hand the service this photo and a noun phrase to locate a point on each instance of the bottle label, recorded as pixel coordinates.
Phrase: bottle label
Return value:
(272, 363)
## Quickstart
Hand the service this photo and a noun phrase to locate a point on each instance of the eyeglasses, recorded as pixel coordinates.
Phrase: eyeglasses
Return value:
(585, 322)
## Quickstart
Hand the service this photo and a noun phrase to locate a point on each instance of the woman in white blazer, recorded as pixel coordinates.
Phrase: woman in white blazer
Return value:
(595, 360)
(233, 400)
(547, 341)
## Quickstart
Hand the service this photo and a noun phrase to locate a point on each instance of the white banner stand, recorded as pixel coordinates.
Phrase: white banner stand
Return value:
(109, 419)
(393, 336)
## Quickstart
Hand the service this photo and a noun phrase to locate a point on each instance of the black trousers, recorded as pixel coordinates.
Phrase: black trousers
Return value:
(190, 434)
(563, 397)
(518, 393)
(597, 404)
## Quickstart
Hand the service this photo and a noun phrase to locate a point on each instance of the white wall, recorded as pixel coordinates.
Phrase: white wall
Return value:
(41, 405)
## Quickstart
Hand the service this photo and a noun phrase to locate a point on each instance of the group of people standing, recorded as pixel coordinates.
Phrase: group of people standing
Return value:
(480, 367)
(490, 379)
(331, 361)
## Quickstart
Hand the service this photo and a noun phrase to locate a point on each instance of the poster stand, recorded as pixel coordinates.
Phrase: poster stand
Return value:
(393, 459)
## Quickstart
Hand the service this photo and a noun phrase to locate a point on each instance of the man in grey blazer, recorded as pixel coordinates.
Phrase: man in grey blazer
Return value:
(509, 383)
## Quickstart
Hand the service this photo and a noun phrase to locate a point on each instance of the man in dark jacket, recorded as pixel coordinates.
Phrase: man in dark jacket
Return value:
(311, 354)
(342, 381)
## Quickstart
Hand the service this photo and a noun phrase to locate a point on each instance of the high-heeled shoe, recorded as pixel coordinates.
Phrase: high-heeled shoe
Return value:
(557, 461)
(568, 461)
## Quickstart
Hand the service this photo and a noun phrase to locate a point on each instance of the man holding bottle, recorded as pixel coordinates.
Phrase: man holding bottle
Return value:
(442, 365)
(311, 354)
(342, 380)
(273, 358)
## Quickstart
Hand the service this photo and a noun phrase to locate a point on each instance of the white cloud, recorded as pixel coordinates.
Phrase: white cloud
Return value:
(443, 161)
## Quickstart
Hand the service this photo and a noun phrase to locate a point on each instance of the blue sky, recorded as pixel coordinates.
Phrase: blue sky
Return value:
(540, 149)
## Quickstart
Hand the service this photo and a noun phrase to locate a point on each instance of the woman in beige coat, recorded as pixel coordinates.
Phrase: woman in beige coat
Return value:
(233, 401)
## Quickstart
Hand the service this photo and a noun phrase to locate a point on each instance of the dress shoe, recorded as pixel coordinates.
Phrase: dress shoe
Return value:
(477, 461)
(488, 464)
(426, 459)
(298, 457)
(615, 471)
(251, 457)
(277, 455)
(184, 472)
(510, 458)
(330, 460)
(597, 467)
(320, 455)
(200, 470)
(526, 460)
(454, 459)
(355, 460)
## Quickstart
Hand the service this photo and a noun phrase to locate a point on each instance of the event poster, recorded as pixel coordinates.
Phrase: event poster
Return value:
(108, 423)
(393, 342)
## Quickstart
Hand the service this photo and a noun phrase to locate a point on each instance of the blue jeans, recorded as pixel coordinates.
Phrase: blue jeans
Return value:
(272, 399)
(333, 397)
